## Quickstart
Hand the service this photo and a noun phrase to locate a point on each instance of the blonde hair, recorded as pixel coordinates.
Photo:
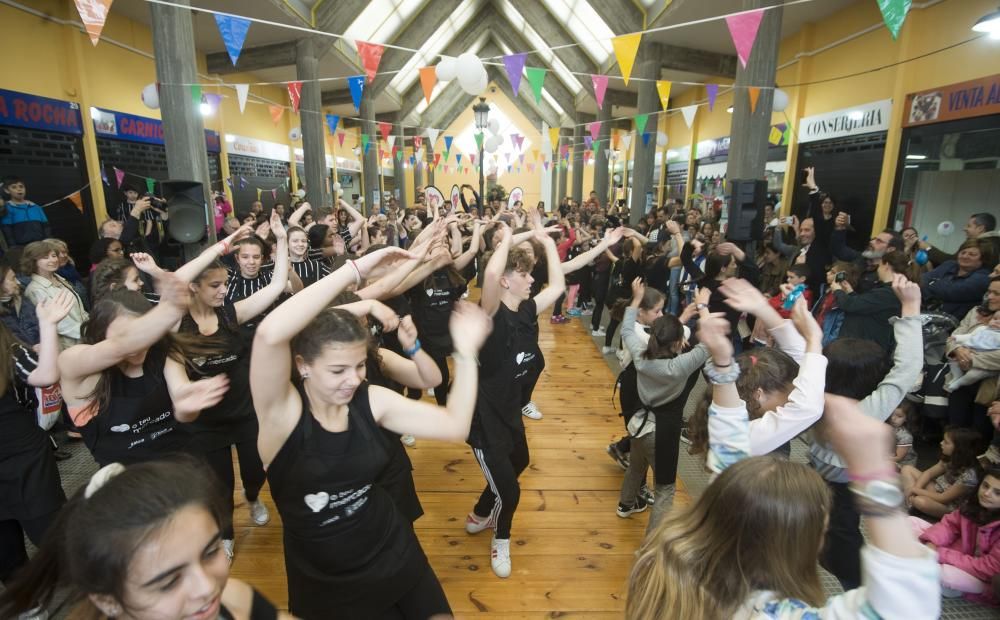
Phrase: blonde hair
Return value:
(758, 526)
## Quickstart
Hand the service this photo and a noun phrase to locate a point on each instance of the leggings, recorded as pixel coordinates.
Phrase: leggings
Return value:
(557, 310)
(673, 292)
(441, 391)
(601, 281)
(643, 456)
(251, 473)
(609, 333)
(424, 600)
(13, 554)
(502, 493)
(842, 549)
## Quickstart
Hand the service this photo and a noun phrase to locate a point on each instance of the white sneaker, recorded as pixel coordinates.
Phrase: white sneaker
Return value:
(474, 524)
(607, 350)
(597, 333)
(258, 512)
(500, 558)
(229, 547)
(531, 411)
(408, 440)
(430, 391)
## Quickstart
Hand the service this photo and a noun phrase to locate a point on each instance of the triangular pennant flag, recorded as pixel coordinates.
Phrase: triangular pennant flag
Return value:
(276, 112)
(627, 141)
(93, 14)
(536, 153)
(295, 95)
(626, 47)
(259, 190)
(119, 177)
(508, 169)
(536, 77)
(472, 158)
(531, 167)
(615, 139)
(104, 176)
(600, 84)
(428, 78)
(607, 152)
(77, 200)
(743, 29)
(688, 112)
(546, 164)
(521, 158)
(663, 89)
(196, 95)
(332, 120)
(229, 182)
(391, 141)
(437, 158)
(458, 158)
(413, 160)
(513, 140)
(893, 14)
(588, 142)
(595, 129)
(384, 129)
(357, 85)
(371, 56)
(432, 135)
(554, 138)
(150, 185)
(340, 138)
(479, 140)
(242, 90)
(595, 145)
(754, 93)
(712, 90)
(447, 154)
(446, 167)
(274, 193)
(418, 141)
(447, 143)
(514, 63)
(381, 153)
(640, 122)
(645, 139)
(397, 153)
(234, 32)
(364, 142)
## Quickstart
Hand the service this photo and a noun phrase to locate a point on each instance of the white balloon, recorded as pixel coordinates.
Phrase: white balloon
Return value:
(945, 228)
(780, 100)
(150, 96)
(495, 142)
(493, 126)
(490, 146)
(446, 69)
(336, 187)
(301, 193)
(471, 73)
(295, 134)
(661, 139)
(477, 87)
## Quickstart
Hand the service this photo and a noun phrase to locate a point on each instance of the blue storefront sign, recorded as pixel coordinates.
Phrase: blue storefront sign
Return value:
(132, 128)
(34, 112)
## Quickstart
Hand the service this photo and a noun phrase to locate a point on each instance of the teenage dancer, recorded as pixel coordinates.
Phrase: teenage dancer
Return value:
(348, 550)
(509, 358)
(308, 269)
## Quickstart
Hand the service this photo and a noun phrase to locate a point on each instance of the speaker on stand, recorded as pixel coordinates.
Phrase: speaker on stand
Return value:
(187, 222)
(745, 213)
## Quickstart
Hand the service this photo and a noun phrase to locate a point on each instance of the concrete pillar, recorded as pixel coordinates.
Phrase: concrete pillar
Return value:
(648, 68)
(601, 171)
(369, 161)
(749, 133)
(311, 118)
(578, 164)
(398, 171)
(183, 129)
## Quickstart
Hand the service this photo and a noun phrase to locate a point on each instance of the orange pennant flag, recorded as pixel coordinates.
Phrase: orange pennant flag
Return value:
(615, 138)
(428, 78)
(276, 113)
(626, 47)
(93, 14)
(754, 92)
(77, 200)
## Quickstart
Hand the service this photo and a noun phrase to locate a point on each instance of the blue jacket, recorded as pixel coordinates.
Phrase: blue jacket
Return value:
(23, 223)
(958, 294)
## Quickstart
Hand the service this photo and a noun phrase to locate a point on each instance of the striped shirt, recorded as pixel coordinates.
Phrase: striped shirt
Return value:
(239, 287)
(310, 271)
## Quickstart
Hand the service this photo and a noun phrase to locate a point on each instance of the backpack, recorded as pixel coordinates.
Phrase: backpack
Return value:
(627, 386)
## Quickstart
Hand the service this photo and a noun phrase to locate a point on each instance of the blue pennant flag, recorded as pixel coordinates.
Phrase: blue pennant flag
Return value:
(645, 138)
(331, 121)
(447, 142)
(458, 158)
(368, 145)
(357, 86)
(234, 33)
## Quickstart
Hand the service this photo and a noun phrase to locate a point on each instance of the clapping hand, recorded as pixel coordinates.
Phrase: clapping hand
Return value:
(276, 227)
(743, 296)
(407, 333)
(51, 311)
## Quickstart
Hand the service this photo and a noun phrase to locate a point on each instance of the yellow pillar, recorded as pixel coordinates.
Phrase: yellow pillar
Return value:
(693, 154)
(797, 107)
(895, 133)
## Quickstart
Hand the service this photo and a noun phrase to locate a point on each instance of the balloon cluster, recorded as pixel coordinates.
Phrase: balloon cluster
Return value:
(468, 69)
(295, 134)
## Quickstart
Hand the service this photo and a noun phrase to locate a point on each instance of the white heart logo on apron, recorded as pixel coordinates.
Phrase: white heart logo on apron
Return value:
(121, 428)
(317, 501)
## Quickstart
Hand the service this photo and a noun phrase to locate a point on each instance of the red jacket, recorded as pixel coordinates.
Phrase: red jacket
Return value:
(969, 547)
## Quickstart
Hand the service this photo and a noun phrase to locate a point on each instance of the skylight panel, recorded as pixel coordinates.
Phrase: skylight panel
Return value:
(381, 20)
(429, 51)
(585, 25)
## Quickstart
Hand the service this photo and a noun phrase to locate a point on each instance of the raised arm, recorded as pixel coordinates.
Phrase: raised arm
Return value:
(357, 220)
(296, 216)
(191, 269)
(582, 260)
(49, 313)
(419, 371)
(260, 301)
(491, 293)
(463, 259)
(191, 397)
(557, 281)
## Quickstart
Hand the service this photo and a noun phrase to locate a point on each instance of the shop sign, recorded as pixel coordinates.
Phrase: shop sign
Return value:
(300, 158)
(132, 128)
(865, 118)
(251, 147)
(33, 112)
(778, 136)
(963, 100)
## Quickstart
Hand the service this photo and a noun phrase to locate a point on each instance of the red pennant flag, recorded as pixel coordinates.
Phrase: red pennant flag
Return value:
(93, 14)
(276, 112)
(295, 94)
(371, 56)
(437, 158)
(340, 138)
(384, 129)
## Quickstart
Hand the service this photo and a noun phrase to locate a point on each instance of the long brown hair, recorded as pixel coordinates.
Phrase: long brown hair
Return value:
(704, 561)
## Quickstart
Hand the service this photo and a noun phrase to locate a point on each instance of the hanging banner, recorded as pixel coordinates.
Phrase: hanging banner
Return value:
(33, 112)
(595, 129)
(514, 64)
(447, 143)
(865, 118)
(754, 93)
(600, 84)
(233, 31)
(432, 135)
(688, 112)
(894, 14)
(384, 128)
(743, 29)
(554, 138)
(626, 47)
(428, 78)
(242, 90)
(712, 90)
(131, 128)
(979, 97)
(516, 195)
(479, 140)
(332, 120)
(93, 14)
(536, 77)
(640, 123)
(295, 95)
(340, 137)
(371, 56)
(663, 89)
(357, 85)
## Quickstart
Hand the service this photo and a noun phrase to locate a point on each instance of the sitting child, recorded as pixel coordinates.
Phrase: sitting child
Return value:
(985, 337)
(938, 491)
(902, 416)
(967, 542)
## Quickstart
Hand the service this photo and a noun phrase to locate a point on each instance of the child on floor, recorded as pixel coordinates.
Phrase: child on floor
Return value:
(967, 542)
(937, 491)
(982, 338)
(904, 453)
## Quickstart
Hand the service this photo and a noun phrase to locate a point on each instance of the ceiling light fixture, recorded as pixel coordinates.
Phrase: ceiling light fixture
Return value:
(989, 23)
(915, 156)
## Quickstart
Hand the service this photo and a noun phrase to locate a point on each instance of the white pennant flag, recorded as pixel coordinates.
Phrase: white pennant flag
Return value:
(391, 140)
(241, 94)
(432, 135)
(627, 140)
(419, 154)
(607, 153)
(689, 111)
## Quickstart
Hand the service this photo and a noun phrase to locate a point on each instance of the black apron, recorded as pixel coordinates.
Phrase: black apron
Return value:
(432, 304)
(349, 553)
(138, 425)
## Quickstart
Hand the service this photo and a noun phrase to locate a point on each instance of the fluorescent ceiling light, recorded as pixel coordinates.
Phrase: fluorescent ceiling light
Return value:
(916, 156)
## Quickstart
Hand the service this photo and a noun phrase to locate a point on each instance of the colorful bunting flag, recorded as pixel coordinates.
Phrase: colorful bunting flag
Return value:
(588, 142)
(615, 139)
(242, 90)
(364, 142)
(332, 120)
(600, 84)
(391, 141)
(432, 135)
(150, 185)
(458, 158)
(243, 183)
(754, 93)
(645, 139)
(479, 140)
(276, 112)
(626, 47)
(274, 193)
(893, 14)
(295, 95)
(520, 158)
(627, 141)
(196, 95)
(640, 122)
(447, 143)
(536, 77)
(119, 177)
(514, 63)
(437, 158)
(554, 138)
(233, 31)
(546, 164)
(93, 14)
(104, 176)
(428, 78)
(472, 158)
(384, 129)
(712, 90)
(229, 182)
(688, 112)
(340, 138)
(595, 129)
(259, 190)
(77, 199)
(418, 142)
(357, 85)
(371, 56)
(663, 88)
(743, 29)
(536, 153)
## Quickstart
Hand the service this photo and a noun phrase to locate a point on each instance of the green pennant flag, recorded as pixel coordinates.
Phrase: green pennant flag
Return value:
(595, 146)
(479, 141)
(196, 95)
(447, 154)
(640, 123)
(399, 155)
(536, 77)
(894, 14)
(364, 141)
(150, 184)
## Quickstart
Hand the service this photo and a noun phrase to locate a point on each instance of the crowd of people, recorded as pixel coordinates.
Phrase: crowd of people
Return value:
(306, 337)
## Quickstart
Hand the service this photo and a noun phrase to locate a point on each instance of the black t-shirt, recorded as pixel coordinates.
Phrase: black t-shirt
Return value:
(18, 427)
(432, 304)
(657, 273)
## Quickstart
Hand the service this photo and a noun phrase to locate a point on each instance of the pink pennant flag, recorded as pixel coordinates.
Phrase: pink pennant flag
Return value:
(743, 29)
(340, 137)
(93, 14)
(119, 177)
(595, 129)
(520, 158)
(600, 83)
(472, 158)
(418, 141)
(531, 167)
(274, 193)
(295, 94)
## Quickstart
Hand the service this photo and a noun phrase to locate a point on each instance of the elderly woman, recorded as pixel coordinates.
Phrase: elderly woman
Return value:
(967, 405)
(958, 285)
(41, 261)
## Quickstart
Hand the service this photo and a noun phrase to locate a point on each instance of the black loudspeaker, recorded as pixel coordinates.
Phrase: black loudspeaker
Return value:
(746, 209)
(188, 214)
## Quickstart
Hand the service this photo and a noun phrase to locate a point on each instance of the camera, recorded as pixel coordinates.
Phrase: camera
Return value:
(840, 276)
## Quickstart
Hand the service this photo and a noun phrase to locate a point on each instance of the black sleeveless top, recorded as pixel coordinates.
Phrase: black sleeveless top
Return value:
(347, 548)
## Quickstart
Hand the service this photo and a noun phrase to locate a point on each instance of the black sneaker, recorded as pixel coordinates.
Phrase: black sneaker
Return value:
(625, 511)
(619, 457)
(646, 494)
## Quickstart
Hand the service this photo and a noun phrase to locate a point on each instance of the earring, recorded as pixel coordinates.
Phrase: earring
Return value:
(305, 375)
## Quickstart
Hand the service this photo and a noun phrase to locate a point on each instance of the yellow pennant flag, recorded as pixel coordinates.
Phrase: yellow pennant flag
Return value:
(258, 193)
(554, 138)
(754, 93)
(663, 88)
(535, 153)
(626, 47)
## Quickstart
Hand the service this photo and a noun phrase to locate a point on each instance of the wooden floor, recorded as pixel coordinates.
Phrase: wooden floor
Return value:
(570, 552)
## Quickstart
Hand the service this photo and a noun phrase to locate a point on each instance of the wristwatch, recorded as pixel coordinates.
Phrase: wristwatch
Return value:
(700, 307)
(877, 498)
